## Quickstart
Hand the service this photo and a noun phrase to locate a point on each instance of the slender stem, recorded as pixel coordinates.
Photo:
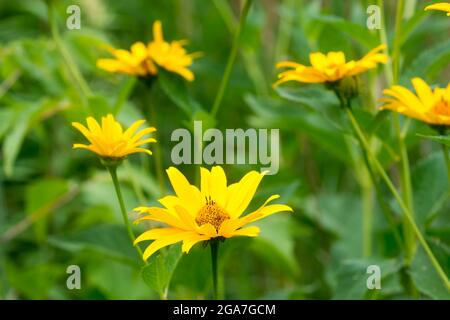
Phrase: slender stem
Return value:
(447, 161)
(380, 199)
(367, 200)
(405, 175)
(113, 172)
(214, 244)
(157, 153)
(406, 212)
(73, 68)
(391, 72)
(231, 59)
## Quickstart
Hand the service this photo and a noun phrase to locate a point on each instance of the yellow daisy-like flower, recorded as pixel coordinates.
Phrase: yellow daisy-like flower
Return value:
(329, 68)
(110, 141)
(171, 56)
(214, 211)
(442, 6)
(427, 105)
(134, 62)
(143, 60)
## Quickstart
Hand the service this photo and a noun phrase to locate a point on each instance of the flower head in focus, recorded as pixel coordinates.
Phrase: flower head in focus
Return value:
(330, 67)
(110, 141)
(441, 6)
(215, 210)
(427, 105)
(134, 62)
(170, 56)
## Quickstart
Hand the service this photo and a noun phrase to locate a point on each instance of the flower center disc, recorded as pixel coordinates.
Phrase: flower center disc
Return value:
(211, 213)
(442, 108)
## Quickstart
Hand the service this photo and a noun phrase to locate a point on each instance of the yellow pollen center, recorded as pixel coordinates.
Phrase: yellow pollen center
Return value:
(211, 213)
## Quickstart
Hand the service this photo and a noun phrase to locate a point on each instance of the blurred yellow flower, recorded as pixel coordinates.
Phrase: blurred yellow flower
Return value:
(329, 68)
(427, 105)
(134, 62)
(143, 60)
(110, 141)
(214, 211)
(171, 56)
(442, 6)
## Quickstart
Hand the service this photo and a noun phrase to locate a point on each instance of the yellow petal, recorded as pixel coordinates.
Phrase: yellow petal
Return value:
(218, 185)
(251, 231)
(157, 31)
(156, 233)
(240, 195)
(163, 242)
(132, 129)
(442, 6)
(423, 91)
(190, 240)
(189, 194)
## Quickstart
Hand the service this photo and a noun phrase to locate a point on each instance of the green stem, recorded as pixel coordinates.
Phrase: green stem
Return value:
(214, 244)
(113, 172)
(72, 67)
(367, 200)
(157, 153)
(231, 59)
(405, 175)
(406, 212)
(368, 216)
(447, 161)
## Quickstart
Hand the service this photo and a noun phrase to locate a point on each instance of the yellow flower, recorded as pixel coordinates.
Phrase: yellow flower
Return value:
(442, 6)
(134, 62)
(171, 56)
(427, 105)
(331, 67)
(110, 141)
(214, 211)
(143, 60)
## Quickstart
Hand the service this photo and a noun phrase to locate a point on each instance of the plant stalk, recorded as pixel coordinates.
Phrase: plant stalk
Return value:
(214, 244)
(231, 58)
(113, 172)
(406, 212)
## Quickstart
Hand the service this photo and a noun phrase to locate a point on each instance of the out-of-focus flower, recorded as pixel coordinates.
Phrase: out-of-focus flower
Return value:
(441, 6)
(109, 141)
(134, 62)
(427, 105)
(213, 211)
(171, 56)
(144, 60)
(329, 68)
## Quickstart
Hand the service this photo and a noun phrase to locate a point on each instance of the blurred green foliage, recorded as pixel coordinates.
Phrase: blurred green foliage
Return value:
(58, 207)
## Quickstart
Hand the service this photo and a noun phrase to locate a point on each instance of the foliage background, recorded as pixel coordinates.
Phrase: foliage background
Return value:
(57, 205)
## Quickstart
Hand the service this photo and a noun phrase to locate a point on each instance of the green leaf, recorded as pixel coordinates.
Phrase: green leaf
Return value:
(26, 115)
(352, 276)
(158, 273)
(108, 239)
(6, 120)
(428, 61)
(430, 187)
(445, 140)
(424, 275)
(320, 128)
(360, 33)
(175, 88)
(40, 195)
